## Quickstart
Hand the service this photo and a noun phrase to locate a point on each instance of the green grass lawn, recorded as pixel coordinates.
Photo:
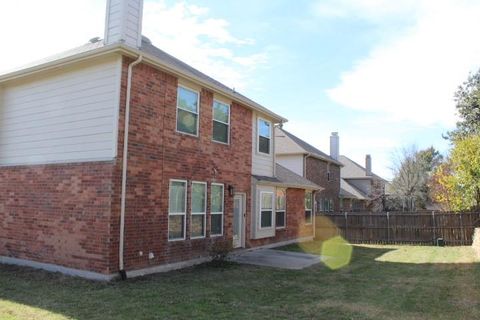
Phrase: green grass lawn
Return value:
(381, 282)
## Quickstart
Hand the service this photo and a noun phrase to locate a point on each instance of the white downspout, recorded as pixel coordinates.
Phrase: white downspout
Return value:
(124, 168)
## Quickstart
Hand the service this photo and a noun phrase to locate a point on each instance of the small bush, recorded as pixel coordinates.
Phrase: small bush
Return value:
(219, 251)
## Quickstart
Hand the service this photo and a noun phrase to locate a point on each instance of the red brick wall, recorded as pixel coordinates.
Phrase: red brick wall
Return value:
(295, 227)
(157, 153)
(316, 171)
(57, 213)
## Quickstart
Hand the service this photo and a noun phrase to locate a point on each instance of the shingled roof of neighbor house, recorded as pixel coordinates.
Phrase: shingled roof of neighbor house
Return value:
(286, 178)
(294, 145)
(150, 51)
(350, 192)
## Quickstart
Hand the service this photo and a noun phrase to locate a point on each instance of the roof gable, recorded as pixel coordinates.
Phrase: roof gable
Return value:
(352, 170)
(287, 143)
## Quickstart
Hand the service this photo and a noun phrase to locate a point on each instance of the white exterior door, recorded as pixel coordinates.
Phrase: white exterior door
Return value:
(238, 219)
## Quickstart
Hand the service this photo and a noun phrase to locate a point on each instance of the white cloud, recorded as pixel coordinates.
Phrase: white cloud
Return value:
(33, 29)
(376, 10)
(412, 78)
(203, 42)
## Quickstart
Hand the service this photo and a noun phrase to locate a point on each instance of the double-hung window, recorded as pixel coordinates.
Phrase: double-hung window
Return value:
(217, 207)
(199, 209)
(187, 111)
(280, 209)
(266, 210)
(264, 136)
(177, 206)
(308, 207)
(221, 122)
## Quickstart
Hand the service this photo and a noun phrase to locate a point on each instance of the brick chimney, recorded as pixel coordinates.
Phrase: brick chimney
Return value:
(368, 165)
(123, 22)
(334, 145)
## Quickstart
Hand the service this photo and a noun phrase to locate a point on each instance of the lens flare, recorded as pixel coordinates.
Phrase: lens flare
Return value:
(336, 253)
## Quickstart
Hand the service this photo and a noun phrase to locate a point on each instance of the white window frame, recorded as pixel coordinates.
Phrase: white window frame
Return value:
(204, 213)
(258, 137)
(228, 124)
(184, 214)
(311, 210)
(217, 213)
(198, 112)
(260, 210)
(281, 210)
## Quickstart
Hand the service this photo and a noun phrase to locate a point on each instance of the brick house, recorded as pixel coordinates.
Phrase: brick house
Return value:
(116, 157)
(361, 189)
(313, 164)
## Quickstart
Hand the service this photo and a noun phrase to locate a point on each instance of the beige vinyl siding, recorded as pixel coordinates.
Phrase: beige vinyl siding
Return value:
(124, 22)
(292, 162)
(66, 115)
(262, 164)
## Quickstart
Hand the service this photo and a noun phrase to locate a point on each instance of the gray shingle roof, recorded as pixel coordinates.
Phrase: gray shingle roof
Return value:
(147, 47)
(164, 58)
(309, 148)
(350, 192)
(287, 178)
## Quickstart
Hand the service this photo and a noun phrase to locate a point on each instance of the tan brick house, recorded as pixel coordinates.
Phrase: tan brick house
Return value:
(313, 164)
(117, 157)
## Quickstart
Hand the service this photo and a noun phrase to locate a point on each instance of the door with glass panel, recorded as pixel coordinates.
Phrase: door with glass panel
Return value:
(238, 217)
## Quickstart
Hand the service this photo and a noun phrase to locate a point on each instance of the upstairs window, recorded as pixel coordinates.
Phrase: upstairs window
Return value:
(187, 111)
(264, 136)
(308, 207)
(221, 122)
(280, 208)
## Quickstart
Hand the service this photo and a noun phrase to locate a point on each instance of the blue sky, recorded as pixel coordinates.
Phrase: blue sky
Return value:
(382, 73)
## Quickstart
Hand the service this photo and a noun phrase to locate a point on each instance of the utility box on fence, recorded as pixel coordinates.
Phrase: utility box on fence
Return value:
(440, 242)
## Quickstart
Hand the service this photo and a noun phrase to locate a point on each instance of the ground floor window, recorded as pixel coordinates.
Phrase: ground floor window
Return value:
(217, 209)
(199, 209)
(266, 210)
(177, 206)
(308, 207)
(280, 209)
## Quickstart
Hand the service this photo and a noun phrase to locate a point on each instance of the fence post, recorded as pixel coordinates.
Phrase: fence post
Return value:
(346, 225)
(388, 227)
(462, 230)
(434, 227)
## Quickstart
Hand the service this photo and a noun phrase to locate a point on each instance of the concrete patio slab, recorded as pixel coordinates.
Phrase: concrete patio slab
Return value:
(276, 259)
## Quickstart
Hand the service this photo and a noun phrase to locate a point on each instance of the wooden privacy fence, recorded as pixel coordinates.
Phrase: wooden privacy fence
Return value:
(401, 227)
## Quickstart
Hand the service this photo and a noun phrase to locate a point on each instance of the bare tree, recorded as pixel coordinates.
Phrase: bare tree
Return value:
(412, 169)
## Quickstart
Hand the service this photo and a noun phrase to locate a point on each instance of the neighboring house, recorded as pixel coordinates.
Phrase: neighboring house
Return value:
(116, 157)
(307, 161)
(361, 189)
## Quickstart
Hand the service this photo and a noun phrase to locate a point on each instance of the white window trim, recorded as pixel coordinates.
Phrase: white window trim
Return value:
(228, 124)
(311, 210)
(258, 137)
(217, 213)
(282, 210)
(184, 214)
(198, 112)
(204, 213)
(260, 211)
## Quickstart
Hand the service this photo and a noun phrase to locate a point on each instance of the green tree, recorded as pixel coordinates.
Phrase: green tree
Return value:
(467, 99)
(465, 159)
